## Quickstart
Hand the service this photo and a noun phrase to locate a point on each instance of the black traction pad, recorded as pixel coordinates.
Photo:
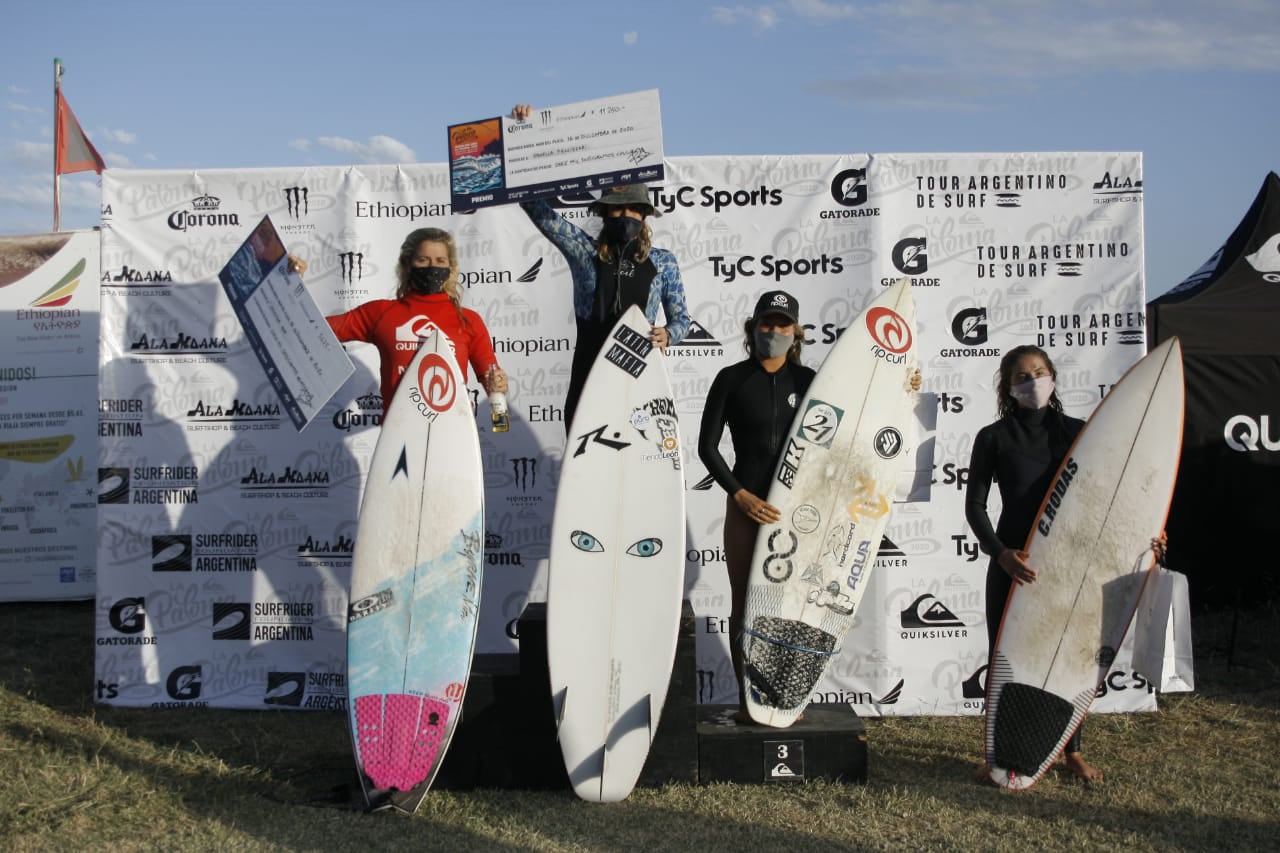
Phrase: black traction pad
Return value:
(1029, 724)
(784, 676)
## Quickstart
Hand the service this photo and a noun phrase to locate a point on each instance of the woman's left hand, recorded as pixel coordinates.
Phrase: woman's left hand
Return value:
(1160, 546)
(659, 337)
(496, 381)
(914, 381)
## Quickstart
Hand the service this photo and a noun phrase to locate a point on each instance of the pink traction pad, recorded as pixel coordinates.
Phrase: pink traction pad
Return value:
(398, 737)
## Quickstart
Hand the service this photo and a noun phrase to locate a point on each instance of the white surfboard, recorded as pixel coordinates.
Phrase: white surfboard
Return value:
(1092, 555)
(833, 485)
(415, 581)
(617, 565)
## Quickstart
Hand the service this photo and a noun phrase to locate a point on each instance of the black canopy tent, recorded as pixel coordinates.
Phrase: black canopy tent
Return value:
(1227, 316)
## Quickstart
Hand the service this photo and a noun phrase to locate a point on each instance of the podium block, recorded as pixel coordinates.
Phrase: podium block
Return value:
(829, 743)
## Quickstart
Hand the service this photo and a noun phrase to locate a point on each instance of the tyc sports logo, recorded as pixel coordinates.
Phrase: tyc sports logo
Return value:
(850, 190)
(927, 618)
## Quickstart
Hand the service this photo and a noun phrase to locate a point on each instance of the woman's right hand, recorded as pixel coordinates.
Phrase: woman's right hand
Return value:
(520, 112)
(759, 511)
(1015, 565)
(297, 264)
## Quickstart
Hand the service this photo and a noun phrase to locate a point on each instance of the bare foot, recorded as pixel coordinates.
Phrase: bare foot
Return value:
(1082, 770)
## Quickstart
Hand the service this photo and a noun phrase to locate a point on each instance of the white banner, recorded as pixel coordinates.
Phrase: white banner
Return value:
(48, 426)
(198, 560)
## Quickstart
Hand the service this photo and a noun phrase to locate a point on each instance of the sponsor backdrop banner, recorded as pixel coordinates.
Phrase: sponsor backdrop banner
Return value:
(48, 438)
(226, 535)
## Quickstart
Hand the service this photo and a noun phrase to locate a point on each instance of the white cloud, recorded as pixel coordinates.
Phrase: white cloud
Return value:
(150, 158)
(764, 17)
(18, 90)
(33, 155)
(300, 144)
(379, 149)
(19, 108)
(117, 160)
(1014, 37)
(119, 137)
(630, 38)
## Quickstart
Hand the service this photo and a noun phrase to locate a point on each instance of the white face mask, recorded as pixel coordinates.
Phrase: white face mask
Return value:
(1034, 393)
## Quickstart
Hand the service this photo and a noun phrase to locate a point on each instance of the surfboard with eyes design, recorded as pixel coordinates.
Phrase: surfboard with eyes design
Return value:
(617, 565)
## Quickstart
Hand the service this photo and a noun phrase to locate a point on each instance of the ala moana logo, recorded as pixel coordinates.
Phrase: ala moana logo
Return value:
(1267, 259)
(1113, 188)
(181, 342)
(128, 275)
(236, 410)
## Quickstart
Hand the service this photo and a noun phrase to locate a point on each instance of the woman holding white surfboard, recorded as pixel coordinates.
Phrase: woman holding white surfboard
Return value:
(610, 273)
(1021, 451)
(427, 298)
(756, 398)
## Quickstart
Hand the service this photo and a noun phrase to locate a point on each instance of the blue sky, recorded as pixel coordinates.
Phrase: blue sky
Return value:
(1191, 84)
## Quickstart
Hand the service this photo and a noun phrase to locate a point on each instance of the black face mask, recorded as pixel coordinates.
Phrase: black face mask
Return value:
(428, 279)
(621, 230)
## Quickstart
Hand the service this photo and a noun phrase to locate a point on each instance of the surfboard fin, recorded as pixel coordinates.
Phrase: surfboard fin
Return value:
(557, 707)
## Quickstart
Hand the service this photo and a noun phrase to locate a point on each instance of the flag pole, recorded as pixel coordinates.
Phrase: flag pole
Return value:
(57, 142)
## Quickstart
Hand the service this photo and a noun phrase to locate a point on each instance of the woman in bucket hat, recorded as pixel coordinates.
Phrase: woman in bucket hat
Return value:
(610, 273)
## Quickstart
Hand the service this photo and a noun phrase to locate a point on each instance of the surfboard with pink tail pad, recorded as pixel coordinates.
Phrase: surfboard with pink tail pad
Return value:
(415, 581)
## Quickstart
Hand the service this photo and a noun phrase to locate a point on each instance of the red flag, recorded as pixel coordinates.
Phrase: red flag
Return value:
(75, 153)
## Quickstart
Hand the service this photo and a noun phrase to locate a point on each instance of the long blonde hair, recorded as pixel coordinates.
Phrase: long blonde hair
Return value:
(409, 248)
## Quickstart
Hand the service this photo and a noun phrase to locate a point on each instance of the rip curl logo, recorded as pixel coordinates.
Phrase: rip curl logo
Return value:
(436, 383)
(296, 201)
(351, 265)
(525, 470)
(849, 188)
(910, 256)
(889, 330)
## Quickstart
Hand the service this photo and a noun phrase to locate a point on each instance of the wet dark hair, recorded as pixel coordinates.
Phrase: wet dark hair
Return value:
(1005, 404)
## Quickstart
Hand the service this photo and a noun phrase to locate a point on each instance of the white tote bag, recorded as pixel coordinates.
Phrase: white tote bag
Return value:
(1162, 633)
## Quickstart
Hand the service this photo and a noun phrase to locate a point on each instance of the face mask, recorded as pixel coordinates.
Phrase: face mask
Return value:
(428, 279)
(1034, 393)
(621, 230)
(773, 344)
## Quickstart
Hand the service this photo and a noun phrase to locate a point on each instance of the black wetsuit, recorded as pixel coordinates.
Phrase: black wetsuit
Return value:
(758, 406)
(1021, 452)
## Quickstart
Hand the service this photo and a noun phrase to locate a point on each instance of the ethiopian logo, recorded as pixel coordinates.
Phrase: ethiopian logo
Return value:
(889, 330)
(435, 381)
(60, 293)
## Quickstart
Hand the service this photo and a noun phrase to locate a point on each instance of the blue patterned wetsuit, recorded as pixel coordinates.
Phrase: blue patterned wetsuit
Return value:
(603, 291)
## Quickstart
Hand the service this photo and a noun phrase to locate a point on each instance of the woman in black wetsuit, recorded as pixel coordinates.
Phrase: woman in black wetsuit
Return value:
(757, 399)
(1021, 451)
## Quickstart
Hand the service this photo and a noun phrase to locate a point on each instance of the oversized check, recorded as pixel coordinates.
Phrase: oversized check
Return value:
(579, 147)
(302, 357)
